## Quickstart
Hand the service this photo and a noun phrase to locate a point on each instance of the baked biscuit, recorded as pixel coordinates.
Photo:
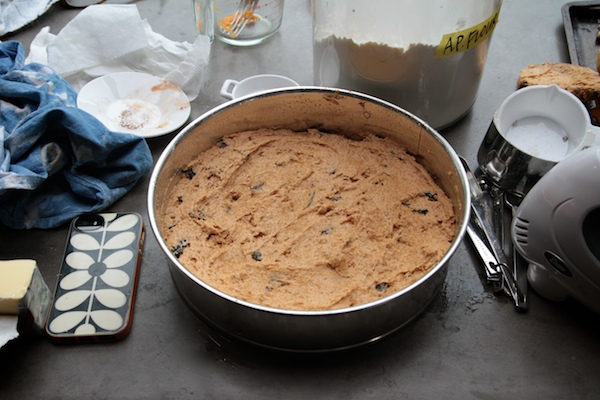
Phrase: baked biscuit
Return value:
(583, 82)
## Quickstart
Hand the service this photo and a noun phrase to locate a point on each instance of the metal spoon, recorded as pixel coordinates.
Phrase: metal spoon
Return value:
(520, 265)
(241, 16)
(478, 207)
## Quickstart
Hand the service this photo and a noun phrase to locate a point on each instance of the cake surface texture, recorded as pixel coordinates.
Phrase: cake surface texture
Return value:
(307, 220)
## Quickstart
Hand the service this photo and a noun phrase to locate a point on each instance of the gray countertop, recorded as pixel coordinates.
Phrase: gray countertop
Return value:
(470, 344)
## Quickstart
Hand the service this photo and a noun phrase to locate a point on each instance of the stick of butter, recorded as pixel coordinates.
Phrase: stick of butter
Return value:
(24, 293)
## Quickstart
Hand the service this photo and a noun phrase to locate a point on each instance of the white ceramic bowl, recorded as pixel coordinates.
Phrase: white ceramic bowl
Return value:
(133, 102)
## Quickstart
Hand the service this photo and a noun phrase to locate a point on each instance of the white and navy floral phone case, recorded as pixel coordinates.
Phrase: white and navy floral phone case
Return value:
(95, 292)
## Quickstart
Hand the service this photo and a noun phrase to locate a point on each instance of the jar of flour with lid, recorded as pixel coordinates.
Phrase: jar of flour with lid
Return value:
(426, 57)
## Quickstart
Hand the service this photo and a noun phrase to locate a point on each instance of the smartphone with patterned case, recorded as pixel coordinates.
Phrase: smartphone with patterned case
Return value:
(95, 293)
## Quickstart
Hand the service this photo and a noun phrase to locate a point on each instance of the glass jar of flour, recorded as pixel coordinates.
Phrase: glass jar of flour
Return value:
(426, 57)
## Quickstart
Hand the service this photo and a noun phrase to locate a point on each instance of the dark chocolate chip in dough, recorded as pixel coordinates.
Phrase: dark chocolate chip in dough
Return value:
(189, 172)
(257, 255)
(431, 196)
(423, 211)
(177, 250)
(327, 231)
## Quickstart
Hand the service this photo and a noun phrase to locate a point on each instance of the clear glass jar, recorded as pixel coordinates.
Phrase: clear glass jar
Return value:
(262, 20)
(204, 18)
(426, 57)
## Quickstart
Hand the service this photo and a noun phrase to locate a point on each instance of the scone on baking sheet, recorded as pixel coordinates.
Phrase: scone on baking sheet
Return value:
(308, 220)
(583, 82)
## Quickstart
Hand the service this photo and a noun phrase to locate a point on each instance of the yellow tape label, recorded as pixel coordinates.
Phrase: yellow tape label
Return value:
(457, 42)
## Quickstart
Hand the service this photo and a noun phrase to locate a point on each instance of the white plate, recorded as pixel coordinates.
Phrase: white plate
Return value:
(133, 102)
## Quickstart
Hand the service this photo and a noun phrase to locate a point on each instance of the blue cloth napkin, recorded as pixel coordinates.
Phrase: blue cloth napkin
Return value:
(56, 161)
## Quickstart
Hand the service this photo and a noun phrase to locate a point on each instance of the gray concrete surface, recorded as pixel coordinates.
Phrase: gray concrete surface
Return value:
(470, 344)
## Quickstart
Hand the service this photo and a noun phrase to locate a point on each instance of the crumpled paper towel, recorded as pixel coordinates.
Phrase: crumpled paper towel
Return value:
(105, 38)
(15, 14)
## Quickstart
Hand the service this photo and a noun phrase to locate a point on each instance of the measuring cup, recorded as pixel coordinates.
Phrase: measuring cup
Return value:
(535, 128)
(233, 89)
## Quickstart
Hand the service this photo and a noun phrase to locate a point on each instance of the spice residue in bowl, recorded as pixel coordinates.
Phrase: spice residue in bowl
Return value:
(133, 114)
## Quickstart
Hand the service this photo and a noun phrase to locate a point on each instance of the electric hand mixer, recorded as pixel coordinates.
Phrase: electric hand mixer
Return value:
(557, 230)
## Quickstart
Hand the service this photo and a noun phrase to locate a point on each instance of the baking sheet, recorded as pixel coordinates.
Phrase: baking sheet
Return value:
(581, 21)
